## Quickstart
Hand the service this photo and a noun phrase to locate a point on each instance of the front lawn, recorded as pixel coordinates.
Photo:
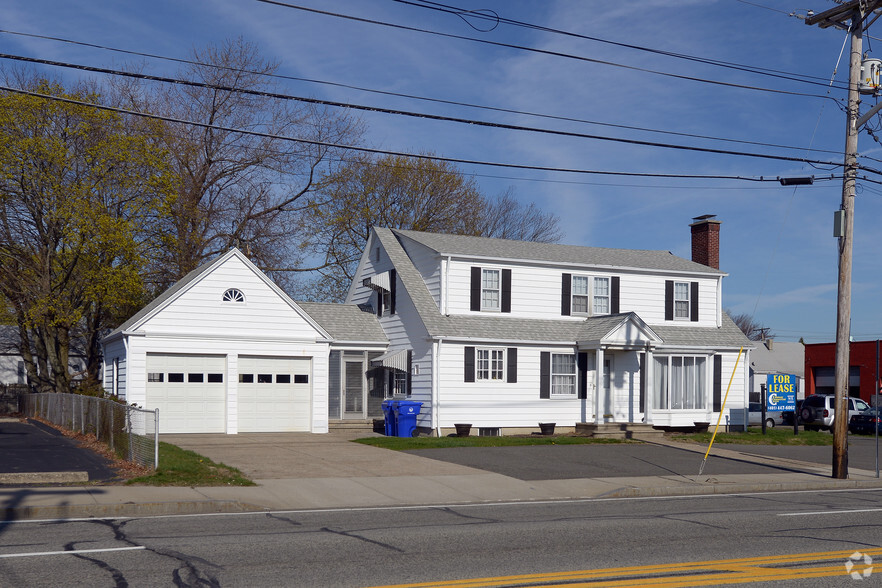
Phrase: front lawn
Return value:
(754, 436)
(180, 467)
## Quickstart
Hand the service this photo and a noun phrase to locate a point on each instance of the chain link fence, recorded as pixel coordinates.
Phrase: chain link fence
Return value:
(131, 433)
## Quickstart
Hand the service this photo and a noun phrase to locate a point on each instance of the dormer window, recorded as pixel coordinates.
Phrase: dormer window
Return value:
(233, 295)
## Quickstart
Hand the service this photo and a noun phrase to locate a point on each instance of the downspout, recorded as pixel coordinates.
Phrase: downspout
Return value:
(444, 288)
(436, 361)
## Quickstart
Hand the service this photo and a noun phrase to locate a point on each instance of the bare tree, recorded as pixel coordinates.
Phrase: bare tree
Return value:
(236, 189)
(750, 327)
(417, 193)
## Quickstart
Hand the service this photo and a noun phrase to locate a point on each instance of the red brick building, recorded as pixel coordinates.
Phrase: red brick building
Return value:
(863, 377)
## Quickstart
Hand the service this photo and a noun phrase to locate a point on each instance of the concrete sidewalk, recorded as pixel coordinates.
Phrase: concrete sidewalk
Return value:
(303, 471)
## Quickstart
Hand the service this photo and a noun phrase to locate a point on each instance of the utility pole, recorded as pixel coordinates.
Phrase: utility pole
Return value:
(853, 13)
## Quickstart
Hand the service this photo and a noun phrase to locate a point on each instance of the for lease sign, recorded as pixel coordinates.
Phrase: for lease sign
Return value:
(780, 392)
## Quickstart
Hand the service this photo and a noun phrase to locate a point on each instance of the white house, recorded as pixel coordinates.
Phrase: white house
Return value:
(496, 333)
(506, 334)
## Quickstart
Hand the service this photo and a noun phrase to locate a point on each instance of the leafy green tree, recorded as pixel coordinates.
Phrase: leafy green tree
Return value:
(416, 193)
(77, 186)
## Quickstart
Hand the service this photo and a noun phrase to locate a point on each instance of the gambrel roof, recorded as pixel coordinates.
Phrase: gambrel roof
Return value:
(506, 249)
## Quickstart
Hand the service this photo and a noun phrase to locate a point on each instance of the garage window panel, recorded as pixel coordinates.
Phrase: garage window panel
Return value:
(195, 378)
(264, 378)
(283, 378)
(215, 378)
(246, 378)
(176, 377)
(155, 377)
(301, 378)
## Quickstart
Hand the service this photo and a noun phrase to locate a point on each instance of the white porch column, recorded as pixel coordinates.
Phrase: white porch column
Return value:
(648, 385)
(598, 386)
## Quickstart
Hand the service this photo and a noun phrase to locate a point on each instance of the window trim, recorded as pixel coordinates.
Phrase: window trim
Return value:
(590, 295)
(687, 301)
(664, 399)
(233, 296)
(574, 385)
(497, 290)
(495, 364)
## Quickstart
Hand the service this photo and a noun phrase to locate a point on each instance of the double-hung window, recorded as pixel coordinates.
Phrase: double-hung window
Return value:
(580, 294)
(680, 382)
(601, 296)
(681, 300)
(491, 286)
(490, 364)
(563, 374)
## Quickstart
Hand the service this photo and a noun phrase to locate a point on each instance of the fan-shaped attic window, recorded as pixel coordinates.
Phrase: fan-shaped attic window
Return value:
(233, 295)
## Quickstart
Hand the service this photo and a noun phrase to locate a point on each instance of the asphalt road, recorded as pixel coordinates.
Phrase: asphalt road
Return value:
(797, 538)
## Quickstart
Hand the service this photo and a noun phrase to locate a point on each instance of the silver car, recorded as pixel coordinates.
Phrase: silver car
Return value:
(755, 415)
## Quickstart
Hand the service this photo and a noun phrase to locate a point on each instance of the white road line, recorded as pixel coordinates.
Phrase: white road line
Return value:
(75, 552)
(826, 512)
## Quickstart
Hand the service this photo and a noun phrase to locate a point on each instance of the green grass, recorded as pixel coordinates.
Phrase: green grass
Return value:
(754, 436)
(405, 443)
(179, 467)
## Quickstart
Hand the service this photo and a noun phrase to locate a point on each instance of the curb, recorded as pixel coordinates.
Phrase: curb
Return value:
(724, 488)
(125, 510)
(44, 478)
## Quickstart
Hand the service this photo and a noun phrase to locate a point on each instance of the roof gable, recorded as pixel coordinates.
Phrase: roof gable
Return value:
(233, 258)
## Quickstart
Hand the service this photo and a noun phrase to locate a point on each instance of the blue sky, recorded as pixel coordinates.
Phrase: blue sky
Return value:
(776, 242)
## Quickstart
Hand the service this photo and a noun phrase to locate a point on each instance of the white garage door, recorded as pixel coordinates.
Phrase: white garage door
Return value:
(189, 391)
(274, 394)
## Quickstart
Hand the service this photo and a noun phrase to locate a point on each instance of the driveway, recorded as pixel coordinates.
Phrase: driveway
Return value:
(30, 447)
(262, 456)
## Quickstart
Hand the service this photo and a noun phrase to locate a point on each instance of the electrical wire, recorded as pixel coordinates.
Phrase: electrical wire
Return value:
(494, 17)
(426, 116)
(534, 50)
(416, 97)
(385, 151)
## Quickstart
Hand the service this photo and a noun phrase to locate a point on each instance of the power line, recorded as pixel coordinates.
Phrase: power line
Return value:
(425, 116)
(494, 17)
(421, 98)
(384, 151)
(540, 51)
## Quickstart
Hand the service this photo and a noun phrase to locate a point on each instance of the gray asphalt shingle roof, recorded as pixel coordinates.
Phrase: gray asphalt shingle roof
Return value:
(555, 253)
(346, 322)
(518, 329)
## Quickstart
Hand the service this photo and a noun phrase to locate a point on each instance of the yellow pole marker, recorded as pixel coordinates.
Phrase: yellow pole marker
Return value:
(722, 409)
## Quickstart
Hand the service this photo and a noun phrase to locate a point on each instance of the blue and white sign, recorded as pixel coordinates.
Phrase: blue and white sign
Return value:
(780, 392)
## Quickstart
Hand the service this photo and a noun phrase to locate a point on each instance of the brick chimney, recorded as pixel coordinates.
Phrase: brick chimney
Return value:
(706, 240)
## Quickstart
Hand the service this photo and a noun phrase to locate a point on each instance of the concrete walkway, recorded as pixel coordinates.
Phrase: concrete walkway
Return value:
(303, 471)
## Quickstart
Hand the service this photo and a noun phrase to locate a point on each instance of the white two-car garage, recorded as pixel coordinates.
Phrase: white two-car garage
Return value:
(270, 394)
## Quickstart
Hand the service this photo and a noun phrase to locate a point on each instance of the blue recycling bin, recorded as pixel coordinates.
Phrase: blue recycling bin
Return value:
(389, 417)
(406, 417)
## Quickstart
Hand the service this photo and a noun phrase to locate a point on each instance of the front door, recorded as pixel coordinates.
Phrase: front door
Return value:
(353, 389)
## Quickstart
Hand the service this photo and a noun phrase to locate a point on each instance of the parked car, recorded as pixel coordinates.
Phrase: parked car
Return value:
(788, 415)
(866, 422)
(817, 411)
(755, 415)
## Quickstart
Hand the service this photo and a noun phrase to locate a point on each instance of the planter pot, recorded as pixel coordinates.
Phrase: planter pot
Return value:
(547, 428)
(462, 430)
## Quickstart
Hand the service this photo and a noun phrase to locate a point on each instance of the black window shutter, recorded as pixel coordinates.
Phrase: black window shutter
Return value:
(545, 374)
(392, 281)
(614, 295)
(669, 300)
(582, 362)
(469, 365)
(693, 299)
(565, 294)
(511, 375)
(476, 288)
(506, 290)
(642, 360)
(409, 368)
(379, 303)
(718, 383)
